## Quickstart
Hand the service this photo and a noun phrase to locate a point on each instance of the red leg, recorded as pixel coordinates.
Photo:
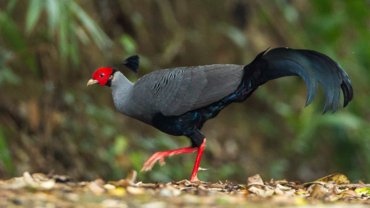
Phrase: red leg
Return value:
(194, 176)
(160, 156)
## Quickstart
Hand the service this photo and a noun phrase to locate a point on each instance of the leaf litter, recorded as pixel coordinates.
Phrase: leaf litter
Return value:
(40, 190)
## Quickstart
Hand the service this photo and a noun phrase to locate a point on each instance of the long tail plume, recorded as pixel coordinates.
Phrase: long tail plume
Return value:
(313, 67)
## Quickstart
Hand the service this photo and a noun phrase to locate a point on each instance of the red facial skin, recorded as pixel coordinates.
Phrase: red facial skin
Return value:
(102, 75)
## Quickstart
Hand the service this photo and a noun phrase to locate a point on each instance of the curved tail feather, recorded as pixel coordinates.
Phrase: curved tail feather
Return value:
(313, 67)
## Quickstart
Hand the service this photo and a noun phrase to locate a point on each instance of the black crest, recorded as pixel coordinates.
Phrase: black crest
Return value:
(132, 63)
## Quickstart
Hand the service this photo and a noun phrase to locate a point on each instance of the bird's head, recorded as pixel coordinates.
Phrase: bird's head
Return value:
(102, 76)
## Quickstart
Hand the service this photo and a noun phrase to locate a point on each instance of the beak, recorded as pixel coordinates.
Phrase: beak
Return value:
(91, 82)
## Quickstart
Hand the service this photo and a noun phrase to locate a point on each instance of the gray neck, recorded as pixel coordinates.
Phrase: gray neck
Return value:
(121, 92)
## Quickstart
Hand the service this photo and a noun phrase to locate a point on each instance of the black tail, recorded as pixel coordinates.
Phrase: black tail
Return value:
(313, 67)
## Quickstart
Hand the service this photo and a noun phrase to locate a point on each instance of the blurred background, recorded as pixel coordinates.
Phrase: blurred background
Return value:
(51, 122)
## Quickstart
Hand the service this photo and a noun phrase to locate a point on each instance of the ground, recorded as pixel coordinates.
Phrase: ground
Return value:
(40, 190)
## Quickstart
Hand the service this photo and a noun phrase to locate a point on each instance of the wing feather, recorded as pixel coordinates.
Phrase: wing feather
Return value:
(176, 91)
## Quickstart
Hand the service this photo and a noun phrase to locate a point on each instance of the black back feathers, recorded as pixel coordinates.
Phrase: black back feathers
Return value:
(132, 63)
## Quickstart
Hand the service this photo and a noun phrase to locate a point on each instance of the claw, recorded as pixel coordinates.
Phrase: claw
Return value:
(148, 165)
(162, 162)
(160, 157)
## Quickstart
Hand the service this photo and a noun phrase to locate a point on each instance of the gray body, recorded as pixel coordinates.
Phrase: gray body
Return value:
(173, 92)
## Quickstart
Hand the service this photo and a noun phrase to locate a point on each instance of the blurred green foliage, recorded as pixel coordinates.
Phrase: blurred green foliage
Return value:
(51, 122)
(5, 156)
(67, 22)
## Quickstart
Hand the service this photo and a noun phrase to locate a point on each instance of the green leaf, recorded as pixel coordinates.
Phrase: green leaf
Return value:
(54, 14)
(82, 36)
(33, 14)
(363, 190)
(128, 44)
(8, 76)
(236, 35)
(10, 6)
(100, 38)
(346, 120)
(63, 43)
(15, 40)
(73, 45)
(5, 155)
(10, 32)
(120, 145)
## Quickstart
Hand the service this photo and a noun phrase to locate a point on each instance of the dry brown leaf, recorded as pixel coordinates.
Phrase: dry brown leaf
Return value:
(261, 191)
(169, 191)
(336, 178)
(128, 181)
(30, 188)
(348, 194)
(135, 190)
(318, 191)
(96, 187)
(284, 190)
(39, 182)
(255, 180)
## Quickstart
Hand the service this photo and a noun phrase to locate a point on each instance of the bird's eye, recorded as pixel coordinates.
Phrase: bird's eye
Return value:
(102, 75)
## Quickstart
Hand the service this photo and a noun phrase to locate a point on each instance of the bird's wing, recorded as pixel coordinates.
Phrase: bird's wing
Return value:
(176, 91)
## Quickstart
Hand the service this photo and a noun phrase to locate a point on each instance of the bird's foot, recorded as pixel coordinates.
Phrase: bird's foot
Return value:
(149, 163)
(194, 179)
(160, 156)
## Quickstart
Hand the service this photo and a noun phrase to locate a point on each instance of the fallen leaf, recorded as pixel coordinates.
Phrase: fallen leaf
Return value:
(96, 187)
(135, 190)
(40, 182)
(318, 191)
(363, 190)
(284, 190)
(337, 178)
(30, 190)
(255, 180)
(302, 192)
(109, 186)
(128, 181)
(348, 194)
(261, 192)
(117, 192)
(169, 192)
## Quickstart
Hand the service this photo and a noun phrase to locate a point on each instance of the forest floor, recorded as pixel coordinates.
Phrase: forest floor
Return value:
(39, 190)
